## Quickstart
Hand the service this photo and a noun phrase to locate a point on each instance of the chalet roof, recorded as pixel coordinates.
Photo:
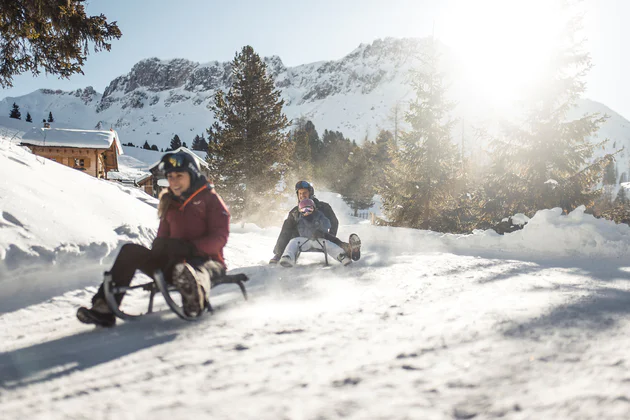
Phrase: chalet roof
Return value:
(202, 163)
(66, 137)
(143, 177)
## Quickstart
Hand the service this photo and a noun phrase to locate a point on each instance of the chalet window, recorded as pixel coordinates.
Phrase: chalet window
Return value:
(79, 163)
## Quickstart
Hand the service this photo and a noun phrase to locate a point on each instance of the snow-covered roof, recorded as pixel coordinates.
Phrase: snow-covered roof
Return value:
(143, 178)
(202, 163)
(66, 137)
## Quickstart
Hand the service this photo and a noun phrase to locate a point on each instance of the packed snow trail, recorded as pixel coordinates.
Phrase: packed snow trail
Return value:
(414, 334)
(532, 324)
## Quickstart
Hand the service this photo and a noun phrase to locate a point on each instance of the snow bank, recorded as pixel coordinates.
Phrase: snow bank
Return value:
(54, 218)
(548, 235)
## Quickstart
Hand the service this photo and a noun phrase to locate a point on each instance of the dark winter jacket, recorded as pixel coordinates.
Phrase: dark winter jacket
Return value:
(316, 221)
(290, 230)
(323, 207)
(201, 218)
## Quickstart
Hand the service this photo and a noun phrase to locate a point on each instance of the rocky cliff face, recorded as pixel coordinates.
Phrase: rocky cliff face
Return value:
(361, 71)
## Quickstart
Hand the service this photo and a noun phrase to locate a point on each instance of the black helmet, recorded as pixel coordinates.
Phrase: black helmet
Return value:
(180, 162)
(305, 185)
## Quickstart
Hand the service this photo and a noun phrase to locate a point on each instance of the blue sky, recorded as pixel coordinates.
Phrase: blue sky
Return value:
(301, 32)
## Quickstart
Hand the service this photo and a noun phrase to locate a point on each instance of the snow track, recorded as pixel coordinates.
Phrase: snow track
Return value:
(428, 335)
(530, 325)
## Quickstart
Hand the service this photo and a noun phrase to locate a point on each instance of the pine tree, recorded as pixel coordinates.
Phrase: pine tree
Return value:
(199, 143)
(336, 150)
(146, 145)
(544, 161)
(51, 35)
(619, 209)
(622, 198)
(248, 148)
(356, 184)
(315, 143)
(301, 163)
(28, 117)
(420, 185)
(50, 117)
(195, 141)
(15, 112)
(176, 143)
(184, 145)
(380, 154)
(155, 148)
(610, 174)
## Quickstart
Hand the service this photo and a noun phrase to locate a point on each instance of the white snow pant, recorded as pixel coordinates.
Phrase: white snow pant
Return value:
(301, 244)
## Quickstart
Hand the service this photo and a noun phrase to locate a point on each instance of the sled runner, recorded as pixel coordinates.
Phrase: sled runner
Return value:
(111, 290)
(302, 247)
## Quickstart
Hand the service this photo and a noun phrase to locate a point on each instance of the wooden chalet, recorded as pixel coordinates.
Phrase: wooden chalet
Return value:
(94, 152)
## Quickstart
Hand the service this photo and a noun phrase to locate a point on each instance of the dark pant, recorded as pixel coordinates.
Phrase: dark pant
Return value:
(163, 256)
(287, 233)
(333, 239)
(134, 257)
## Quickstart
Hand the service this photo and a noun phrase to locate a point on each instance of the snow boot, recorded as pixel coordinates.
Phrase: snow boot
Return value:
(285, 261)
(185, 278)
(275, 259)
(344, 259)
(355, 247)
(99, 314)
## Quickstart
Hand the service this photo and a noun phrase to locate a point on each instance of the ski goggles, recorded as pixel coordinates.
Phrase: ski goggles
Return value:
(307, 210)
(173, 162)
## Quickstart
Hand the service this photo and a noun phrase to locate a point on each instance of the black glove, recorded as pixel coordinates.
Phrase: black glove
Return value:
(172, 247)
(318, 234)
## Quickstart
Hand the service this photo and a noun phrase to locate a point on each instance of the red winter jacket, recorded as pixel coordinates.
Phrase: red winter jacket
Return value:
(203, 219)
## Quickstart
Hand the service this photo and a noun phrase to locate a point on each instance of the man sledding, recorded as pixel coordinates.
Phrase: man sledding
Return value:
(314, 235)
(304, 190)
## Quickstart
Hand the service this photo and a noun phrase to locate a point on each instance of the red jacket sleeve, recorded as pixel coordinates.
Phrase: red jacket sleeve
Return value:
(218, 227)
(164, 230)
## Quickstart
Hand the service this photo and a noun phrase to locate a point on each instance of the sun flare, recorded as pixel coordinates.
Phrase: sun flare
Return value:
(502, 47)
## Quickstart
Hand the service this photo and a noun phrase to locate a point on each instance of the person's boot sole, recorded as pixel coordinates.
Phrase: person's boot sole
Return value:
(286, 263)
(186, 283)
(87, 316)
(355, 246)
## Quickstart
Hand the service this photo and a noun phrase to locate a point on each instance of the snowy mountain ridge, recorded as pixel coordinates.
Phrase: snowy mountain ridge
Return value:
(356, 95)
(160, 98)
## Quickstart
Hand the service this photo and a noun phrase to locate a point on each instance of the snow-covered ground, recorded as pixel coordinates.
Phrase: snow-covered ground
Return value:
(531, 325)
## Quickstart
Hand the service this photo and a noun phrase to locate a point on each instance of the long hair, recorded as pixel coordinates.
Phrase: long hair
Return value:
(166, 198)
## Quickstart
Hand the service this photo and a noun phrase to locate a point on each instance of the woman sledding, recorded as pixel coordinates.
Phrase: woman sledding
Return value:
(194, 228)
